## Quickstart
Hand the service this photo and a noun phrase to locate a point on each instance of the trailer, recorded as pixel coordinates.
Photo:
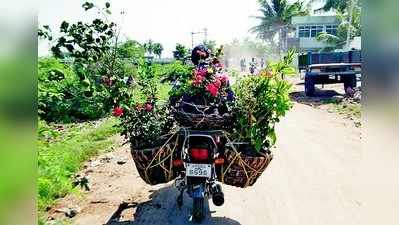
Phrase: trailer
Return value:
(330, 68)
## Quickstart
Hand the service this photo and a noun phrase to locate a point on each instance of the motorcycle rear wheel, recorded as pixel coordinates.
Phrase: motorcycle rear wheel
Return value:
(198, 210)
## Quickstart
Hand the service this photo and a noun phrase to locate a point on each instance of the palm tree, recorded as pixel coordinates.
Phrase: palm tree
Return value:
(348, 13)
(276, 19)
(338, 5)
(158, 48)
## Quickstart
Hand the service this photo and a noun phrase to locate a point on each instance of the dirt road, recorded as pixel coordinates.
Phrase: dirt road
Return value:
(308, 182)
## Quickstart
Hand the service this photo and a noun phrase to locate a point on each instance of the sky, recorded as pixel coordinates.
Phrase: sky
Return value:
(165, 21)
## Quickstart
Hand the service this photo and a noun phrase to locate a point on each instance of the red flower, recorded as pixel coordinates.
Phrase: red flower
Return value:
(148, 107)
(213, 89)
(118, 111)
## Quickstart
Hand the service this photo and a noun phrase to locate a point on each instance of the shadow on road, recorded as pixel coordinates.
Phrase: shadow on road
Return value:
(320, 97)
(162, 209)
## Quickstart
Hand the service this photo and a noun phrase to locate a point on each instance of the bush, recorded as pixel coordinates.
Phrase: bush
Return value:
(55, 82)
(144, 124)
(63, 96)
(261, 101)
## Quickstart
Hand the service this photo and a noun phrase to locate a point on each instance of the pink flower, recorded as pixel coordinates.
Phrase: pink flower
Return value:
(217, 83)
(148, 107)
(213, 89)
(224, 78)
(198, 80)
(202, 72)
(219, 65)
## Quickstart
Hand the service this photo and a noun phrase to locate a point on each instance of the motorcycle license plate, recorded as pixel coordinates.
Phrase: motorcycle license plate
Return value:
(198, 170)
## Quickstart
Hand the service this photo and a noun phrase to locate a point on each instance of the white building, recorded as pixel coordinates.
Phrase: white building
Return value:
(306, 30)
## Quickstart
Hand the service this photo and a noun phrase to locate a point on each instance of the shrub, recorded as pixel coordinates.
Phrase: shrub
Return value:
(63, 96)
(144, 125)
(261, 101)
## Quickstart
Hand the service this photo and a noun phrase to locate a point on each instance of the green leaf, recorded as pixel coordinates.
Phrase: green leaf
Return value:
(87, 5)
(64, 26)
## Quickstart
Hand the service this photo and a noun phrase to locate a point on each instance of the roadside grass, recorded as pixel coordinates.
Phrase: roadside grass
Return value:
(347, 108)
(61, 151)
(351, 110)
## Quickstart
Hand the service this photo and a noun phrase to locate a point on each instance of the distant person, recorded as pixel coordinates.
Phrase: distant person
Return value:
(252, 66)
(262, 63)
(243, 65)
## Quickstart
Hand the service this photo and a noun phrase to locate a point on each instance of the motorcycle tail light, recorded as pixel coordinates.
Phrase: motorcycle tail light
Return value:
(177, 163)
(219, 161)
(199, 153)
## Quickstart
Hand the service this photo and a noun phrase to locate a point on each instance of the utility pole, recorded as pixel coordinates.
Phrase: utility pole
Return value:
(350, 8)
(205, 32)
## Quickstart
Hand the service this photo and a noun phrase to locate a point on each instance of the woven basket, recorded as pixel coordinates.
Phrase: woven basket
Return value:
(241, 168)
(199, 119)
(155, 165)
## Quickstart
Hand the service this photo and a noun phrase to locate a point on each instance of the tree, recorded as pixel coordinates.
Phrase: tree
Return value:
(338, 5)
(338, 41)
(93, 49)
(131, 49)
(181, 52)
(275, 20)
(349, 27)
(158, 48)
(149, 46)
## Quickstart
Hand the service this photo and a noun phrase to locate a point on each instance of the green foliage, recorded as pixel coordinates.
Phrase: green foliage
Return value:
(158, 49)
(101, 69)
(175, 71)
(338, 41)
(131, 50)
(55, 80)
(63, 96)
(283, 67)
(145, 124)
(181, 52)
(62, 151)
(260, 103)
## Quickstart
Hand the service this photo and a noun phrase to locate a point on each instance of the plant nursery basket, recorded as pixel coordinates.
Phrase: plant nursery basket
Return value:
(242, 165)
(155, 165)
(199, 119)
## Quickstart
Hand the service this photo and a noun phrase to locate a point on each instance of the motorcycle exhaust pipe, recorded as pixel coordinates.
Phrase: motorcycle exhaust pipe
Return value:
(217, 195)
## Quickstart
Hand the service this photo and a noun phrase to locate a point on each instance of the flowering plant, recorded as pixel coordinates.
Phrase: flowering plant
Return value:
(209, 84)
(144, 125)
(261, 101)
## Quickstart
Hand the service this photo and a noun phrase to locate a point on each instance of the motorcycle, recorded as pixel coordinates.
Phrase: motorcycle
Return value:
(200, 162)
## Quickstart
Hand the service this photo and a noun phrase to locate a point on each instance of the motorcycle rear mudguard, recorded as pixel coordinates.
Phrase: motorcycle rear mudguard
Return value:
(197, 191)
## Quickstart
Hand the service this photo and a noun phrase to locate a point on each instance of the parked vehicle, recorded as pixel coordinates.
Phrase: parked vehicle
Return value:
(200, 160)
(330, 68)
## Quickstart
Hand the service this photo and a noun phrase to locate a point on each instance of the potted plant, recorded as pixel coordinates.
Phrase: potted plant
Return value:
(147, 126)
(260, 103)
(205, 99)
